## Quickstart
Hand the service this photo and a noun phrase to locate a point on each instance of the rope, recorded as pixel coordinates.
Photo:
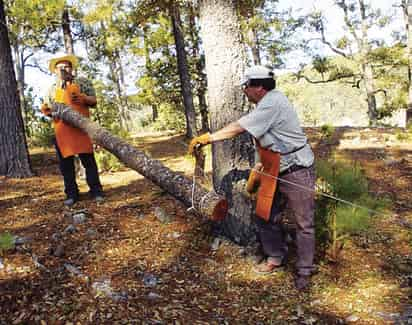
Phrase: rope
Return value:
(308, 189)
(193, 194)
(317, 192)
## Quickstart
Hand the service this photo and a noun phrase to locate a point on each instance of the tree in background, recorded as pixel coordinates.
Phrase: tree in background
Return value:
(14, 156)
(183, 70)
(30, 33)
(406, 5)
(268, 31)
(359, 18)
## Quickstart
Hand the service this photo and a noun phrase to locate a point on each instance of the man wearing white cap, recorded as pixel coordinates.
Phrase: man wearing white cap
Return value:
(79, 94)
(284, 154)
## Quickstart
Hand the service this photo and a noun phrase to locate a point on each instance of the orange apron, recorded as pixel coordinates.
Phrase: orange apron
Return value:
(71, 140)
(267, 182)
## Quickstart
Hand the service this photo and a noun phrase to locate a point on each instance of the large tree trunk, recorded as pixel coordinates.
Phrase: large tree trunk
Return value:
(207, 204)
(183, 70)
(14, 157)
(408, 20)
(225, 64)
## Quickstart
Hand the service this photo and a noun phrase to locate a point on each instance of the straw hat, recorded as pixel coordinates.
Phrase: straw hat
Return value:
(63, 57)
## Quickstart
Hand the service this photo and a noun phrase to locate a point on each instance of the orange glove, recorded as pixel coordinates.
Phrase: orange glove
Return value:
(46, 110)
(201, 140)
(253, 182)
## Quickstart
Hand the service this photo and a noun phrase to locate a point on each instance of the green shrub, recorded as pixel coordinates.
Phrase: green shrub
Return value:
(404, 136)
(336, 220)
(43, 135)
(107, 161)
(6, 242)
(327, 130)
(169, 119)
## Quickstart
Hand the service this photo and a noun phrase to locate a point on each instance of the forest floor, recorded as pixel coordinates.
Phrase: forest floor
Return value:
(120, 262)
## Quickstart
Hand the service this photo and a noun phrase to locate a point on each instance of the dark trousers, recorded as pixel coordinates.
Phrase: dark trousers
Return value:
(302, 204)
(67, 169)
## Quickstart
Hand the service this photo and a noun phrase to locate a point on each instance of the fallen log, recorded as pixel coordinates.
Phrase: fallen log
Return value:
(205, 203)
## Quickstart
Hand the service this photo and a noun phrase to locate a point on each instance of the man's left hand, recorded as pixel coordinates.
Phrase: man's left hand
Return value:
(78, 99)
(199, 141)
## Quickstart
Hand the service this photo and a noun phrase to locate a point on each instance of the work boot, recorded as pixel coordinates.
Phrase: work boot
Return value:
(302, 282)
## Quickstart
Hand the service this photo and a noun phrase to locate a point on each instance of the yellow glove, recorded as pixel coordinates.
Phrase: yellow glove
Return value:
(201, 140)
(253, 182)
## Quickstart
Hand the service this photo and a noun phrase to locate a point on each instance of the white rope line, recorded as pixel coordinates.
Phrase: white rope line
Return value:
(308, 189)
(193, 195)
(317, 192)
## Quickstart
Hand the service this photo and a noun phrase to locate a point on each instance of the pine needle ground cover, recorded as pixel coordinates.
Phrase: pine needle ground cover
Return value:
(120, 263)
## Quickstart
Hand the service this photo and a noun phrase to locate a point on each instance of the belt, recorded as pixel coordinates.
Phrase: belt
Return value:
(292, 169)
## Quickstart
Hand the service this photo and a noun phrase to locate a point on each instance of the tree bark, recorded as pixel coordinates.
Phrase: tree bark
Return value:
(67, 33)
(408, 20)
(200, 79)
(148, 66)
(367, 68)
(20, 69)
(207, 204)
(183, 69)
(225, 64)
(14, 156)
(254, 45)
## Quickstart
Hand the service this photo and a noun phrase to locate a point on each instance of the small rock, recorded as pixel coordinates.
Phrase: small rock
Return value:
(309, 321)
(56, 236)
(70, 229)
(79, 218)
(242, 252)
(299, 311)
(59, 251)
(140, 215)
(161, 215)
(72, 269)
(351, 319)
(390, 162)
(388, 316)
(215, 244)
(20, 240)
(175, 235)
(91, 233)
(153, 296)
(150, 280)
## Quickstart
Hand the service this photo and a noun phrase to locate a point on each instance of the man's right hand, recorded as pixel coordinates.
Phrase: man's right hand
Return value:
(46, 110)
(199, 141)
(253, 182)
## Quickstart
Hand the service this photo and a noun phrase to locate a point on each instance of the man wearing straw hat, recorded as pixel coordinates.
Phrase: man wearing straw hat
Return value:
(79, 94)
(284, 155)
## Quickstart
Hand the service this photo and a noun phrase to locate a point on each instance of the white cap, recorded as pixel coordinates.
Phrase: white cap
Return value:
(256, 72)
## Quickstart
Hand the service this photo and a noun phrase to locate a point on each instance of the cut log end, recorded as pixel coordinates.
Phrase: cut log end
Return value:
(220, 210)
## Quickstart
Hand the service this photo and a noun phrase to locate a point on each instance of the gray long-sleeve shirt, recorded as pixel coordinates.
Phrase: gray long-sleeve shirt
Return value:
(275, 124)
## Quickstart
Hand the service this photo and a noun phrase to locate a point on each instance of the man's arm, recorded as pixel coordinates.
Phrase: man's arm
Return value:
(90, 100)
(229, 131)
